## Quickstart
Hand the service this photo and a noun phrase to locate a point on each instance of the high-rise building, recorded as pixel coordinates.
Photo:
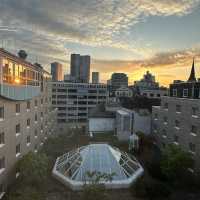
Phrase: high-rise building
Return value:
(95, 77)
(27, 118)
(176, 121)
(80, 68)
(56, 71)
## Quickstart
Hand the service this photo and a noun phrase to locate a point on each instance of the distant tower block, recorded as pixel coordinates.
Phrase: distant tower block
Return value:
(56, 71)
(95, 77)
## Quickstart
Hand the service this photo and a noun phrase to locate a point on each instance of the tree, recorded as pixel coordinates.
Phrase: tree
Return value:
(33, 169)
(95, 190)
(175, 162)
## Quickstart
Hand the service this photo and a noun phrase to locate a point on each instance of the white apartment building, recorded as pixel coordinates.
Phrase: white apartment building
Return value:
(74, 100)
(27, 118)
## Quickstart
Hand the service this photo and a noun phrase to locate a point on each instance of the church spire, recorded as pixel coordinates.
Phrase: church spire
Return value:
(192, 77)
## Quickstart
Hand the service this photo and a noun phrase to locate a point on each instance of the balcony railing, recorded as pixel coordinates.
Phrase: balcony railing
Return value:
(19, 92)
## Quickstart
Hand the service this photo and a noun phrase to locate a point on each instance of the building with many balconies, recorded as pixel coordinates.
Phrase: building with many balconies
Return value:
(74, 100)
(27, 118)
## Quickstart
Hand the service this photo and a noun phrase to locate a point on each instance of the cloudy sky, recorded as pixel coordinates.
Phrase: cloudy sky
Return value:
(129, 36)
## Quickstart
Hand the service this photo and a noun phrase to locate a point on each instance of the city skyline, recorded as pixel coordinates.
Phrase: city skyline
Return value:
(121, 36)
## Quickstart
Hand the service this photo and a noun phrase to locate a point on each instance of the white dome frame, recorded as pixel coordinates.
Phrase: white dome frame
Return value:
(72, 167)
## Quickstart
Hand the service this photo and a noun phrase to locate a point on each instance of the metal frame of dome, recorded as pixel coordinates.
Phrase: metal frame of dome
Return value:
(71, 168)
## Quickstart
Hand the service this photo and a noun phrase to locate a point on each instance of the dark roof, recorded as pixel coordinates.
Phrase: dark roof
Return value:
(192, 77)
(100, 112)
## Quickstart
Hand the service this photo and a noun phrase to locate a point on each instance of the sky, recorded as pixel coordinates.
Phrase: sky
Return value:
(130, 36)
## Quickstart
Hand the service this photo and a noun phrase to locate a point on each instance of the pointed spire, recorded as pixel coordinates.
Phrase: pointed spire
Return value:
(192, 77)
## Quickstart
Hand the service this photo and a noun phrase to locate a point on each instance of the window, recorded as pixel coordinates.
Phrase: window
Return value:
(28, 139)
(165, 119)
(28, 123)
(151, 95)
(2, 138)
(28, 105)
(36, 118)
(36, 133)
(1, 113)
(192, 147)
(163, 145)
(156, 116)
(18, 149)
(41, 101)
(176, 138)
(17, 108)
(17, 129)
(164, 132)
(177, 123)
(155, 128)
(2, 163)
(36, 147)
(41, 114)
(174, 92)
(36, 103)
(194, 129)
(166, 106)
(185, 92)
(2, 190)
(195, 111)
(178, 108)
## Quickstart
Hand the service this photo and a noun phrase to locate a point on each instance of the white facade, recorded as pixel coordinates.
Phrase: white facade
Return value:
(129, 122)
(142, 123)
(99, 125)
(123, 92)
(124, 127)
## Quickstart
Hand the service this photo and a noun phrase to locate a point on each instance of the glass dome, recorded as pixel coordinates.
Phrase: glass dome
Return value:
(72, 168)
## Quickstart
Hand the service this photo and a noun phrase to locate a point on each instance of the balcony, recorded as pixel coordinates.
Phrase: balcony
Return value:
(19, 92)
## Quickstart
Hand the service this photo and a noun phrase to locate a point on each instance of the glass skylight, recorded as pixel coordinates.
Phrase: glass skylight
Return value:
(72, 168)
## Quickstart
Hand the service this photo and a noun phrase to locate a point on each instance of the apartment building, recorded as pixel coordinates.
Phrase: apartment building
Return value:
(177, 120)
(27, 117)
(74, 100)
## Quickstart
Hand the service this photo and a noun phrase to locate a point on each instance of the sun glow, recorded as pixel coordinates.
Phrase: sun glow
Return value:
(17, 81)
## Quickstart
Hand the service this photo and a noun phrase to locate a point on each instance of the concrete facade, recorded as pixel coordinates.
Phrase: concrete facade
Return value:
(176, 121)
(99, 125)
(24, 124)
(75, 100)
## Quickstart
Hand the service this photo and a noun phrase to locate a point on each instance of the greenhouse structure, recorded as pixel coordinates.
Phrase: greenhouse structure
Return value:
(74, 169)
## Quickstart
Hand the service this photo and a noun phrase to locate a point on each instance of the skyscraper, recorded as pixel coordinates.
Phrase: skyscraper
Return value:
(80, 68)
(95, 77)
(75, 66)
(56, 71)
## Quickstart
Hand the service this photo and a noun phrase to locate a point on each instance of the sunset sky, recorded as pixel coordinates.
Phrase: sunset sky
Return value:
(129, 36)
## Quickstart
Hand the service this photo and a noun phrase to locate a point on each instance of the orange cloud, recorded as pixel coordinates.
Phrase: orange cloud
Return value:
(166, 66)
